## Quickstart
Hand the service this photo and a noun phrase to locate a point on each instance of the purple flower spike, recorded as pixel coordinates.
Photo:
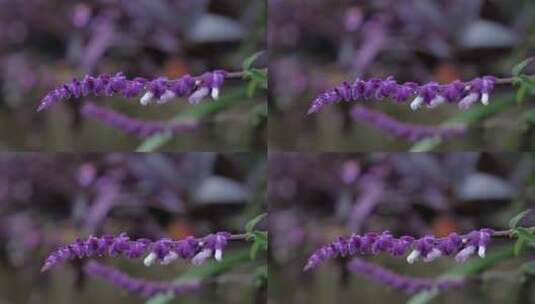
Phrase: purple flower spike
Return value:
(431, 94)
(160, 89)
(427, 248)
(409, 132)
(408, 285)
(163, 251)
(129, 125)
(136, 286)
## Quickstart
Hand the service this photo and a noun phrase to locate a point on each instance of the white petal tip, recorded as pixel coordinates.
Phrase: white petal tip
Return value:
(201, 257)
(485, 99)
(433, 255)
(169, 258)
(481, 252)
(416, 103)
(166, 97)
(413, 256)
(218, 255)
(149, 260)
(146, 99)
(215, 93)
(438, 100)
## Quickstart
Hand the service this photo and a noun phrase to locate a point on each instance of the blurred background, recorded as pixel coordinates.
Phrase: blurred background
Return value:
(314, 198)
(317, 44)
(48, 42)
(47, 200)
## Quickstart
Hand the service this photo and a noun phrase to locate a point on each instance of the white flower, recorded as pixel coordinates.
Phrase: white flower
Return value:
(170, 257)
(481, 251)
(464, 254)
(201, 257)
(147, 98)
(413, 256)
(149, 260)
(168, 95)
(198, 95)
(485, 98)
(417, 103)
(435, 253)
(215, 93)
(218, 255)
(468, 101)
(438, 100)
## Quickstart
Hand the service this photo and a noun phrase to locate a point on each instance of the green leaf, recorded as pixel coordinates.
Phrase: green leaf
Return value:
(260, 76)
(249, 227)
(513, 222)
(260, 243)
(525, 234)
(521, 93)
(251, 88)
(426, 145)
(528, 80)
(519, 244)
(261, 236)
(423, 297)
(254, 250)
(154, 142)
(209, 269)
(517, 69)
(248, 62)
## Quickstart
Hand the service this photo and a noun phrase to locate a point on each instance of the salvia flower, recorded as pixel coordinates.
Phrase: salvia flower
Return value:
(430, 94)
(426, 248)
(144, 288)
(163, 251)
(159, 90)
(406, 284)
(130, 125)
(407, 131)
